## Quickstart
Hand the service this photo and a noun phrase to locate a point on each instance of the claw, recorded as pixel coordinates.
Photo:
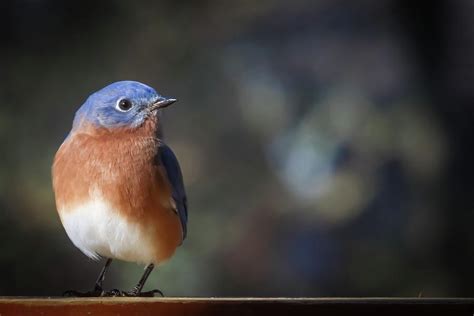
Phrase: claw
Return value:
(113, 293)
(132, 293)
(151, 293)
(94, 293)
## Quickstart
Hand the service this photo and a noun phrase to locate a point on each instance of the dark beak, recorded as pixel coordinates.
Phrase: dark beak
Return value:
(162, 103)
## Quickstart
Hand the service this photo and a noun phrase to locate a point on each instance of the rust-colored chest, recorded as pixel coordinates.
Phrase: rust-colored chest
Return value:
(121, 166)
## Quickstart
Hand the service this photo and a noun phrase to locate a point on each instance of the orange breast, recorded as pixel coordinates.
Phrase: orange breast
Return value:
(121, 164)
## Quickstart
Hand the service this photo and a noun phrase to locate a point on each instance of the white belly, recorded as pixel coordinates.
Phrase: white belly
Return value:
(97, 230)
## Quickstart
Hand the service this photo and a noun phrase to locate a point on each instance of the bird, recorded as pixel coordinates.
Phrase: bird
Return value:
(118, 187)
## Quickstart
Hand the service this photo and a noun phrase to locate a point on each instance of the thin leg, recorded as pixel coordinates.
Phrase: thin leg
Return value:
(100, 279)
(137, 290)
(97, 291)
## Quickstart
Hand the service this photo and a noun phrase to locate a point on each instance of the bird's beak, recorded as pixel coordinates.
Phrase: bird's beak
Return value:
(162, 103)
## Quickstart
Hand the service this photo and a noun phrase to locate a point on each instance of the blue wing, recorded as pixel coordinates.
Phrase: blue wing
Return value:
(169, 161)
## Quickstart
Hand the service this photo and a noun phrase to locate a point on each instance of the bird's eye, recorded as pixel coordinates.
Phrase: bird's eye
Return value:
(124, 105)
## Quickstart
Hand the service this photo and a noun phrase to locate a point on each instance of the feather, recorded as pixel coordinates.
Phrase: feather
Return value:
(175, 178)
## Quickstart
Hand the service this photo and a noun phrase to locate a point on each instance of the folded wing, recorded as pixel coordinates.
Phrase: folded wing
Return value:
(169, 161)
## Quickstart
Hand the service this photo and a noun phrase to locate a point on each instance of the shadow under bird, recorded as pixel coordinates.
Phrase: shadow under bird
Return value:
(118, 188)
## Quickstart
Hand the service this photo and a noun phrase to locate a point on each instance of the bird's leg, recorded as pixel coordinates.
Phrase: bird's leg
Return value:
(100, 279)
(97, 291)
(137, 290)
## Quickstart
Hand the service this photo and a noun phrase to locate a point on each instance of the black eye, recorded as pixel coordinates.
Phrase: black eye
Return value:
(124, 105)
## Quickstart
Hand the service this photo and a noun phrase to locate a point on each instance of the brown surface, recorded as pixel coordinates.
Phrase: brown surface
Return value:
(235, 306)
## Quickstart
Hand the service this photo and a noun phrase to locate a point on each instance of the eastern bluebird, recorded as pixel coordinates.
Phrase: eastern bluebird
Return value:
(118, 188)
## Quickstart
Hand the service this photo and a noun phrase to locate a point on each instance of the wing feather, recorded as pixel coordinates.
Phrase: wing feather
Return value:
(175, 178)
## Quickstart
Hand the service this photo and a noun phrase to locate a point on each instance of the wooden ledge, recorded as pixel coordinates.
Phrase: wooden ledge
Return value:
(235, 306)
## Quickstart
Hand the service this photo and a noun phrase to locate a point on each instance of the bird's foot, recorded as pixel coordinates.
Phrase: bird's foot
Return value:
(151, 293)
(132, 293)
(94, 293)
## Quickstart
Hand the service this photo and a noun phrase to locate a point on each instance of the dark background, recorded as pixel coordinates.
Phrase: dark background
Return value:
(326, 145)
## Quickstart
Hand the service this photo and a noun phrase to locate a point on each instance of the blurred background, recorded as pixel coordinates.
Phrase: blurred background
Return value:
(326, 146)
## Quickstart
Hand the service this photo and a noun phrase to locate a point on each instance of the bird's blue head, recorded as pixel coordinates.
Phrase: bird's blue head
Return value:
(121, 104)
